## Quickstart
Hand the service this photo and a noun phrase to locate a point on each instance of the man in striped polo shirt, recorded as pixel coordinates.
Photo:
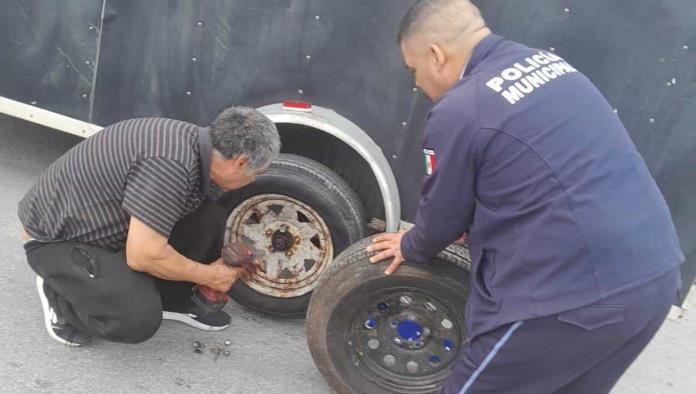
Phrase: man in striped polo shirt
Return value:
(108, 227)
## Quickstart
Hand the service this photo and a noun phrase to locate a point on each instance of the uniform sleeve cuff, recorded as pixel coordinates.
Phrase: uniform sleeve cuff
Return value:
(410, 253)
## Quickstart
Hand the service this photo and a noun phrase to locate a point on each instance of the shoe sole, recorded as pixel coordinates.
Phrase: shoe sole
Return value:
(186, 319)
(47, 314)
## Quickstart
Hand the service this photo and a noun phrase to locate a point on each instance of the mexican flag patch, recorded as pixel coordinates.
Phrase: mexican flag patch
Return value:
(430, 161)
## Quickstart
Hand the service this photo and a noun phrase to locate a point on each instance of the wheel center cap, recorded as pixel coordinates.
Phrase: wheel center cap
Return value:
(282, 241)
(409, 330)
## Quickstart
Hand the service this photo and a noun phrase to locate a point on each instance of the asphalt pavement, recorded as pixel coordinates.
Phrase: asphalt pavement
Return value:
(267, 355)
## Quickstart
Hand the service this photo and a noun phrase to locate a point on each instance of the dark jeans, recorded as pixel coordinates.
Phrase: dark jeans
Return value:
(584, 350)
(93, 289)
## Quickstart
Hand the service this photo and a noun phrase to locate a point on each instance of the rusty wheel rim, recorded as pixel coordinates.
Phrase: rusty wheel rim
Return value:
(292, 238)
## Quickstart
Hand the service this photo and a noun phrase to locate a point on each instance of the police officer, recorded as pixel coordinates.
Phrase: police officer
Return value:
(575, 256)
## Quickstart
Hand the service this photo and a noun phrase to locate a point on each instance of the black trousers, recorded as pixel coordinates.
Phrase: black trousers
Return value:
(93, 289)
(584, 350)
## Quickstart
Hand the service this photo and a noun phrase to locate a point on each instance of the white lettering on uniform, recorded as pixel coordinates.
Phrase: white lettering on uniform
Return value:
(535, 79)
(496, 84)
(525, 76)
(511, 74)
(524, 69)
(551, 56)
(549, 72)
(540, 59)
(558, 69)
(541, 75)
(524, 86)
(513, 95)
(532, 63)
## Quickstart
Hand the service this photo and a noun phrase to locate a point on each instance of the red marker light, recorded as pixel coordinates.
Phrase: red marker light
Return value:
(290, 105)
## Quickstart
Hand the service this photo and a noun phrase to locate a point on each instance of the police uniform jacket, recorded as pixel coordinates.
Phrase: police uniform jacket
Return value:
(527, 156)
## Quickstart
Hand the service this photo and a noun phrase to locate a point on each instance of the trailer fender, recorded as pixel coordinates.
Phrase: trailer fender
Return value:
(328, 121)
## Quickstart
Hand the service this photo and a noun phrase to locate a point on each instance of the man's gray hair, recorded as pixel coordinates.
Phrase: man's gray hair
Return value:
(444, 19)
(245, 131)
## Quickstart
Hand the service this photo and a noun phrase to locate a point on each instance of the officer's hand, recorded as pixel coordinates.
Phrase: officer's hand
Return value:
(222, 276)
(388, 245)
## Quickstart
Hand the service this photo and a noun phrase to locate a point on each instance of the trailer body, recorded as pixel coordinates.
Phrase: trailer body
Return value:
(85, 63)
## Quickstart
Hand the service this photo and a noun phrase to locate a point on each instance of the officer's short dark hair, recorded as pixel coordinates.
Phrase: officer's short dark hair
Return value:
(243, 130)
(415, 16)
(445, 18)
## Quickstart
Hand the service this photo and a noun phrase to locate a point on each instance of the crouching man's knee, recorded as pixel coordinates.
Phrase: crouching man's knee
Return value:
(136, 323)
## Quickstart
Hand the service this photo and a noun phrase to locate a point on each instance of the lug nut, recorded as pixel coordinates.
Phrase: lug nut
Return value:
(370, 324)
(228, 343)
(226, 353)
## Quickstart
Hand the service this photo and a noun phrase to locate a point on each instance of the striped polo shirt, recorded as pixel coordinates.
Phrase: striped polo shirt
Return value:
(155, 169)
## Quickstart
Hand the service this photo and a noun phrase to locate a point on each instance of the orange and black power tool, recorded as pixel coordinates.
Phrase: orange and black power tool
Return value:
(234, 254)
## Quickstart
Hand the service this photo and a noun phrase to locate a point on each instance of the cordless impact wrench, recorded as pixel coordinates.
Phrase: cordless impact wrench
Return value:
(234, 254)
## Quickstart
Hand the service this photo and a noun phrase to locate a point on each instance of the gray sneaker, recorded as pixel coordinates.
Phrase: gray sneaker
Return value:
(58, 328)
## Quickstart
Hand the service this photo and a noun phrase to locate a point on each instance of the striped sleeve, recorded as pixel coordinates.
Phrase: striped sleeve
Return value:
(156, 192)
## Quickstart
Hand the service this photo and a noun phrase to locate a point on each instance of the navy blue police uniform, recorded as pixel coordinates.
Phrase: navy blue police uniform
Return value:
(575, 256)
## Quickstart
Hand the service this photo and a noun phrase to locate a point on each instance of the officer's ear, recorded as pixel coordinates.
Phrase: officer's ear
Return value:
(438, 57)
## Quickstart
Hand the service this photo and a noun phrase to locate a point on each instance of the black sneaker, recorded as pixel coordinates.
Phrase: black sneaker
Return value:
(194, 317)
(57, 328)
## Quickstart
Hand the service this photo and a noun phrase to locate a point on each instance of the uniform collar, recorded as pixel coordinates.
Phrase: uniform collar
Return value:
(480, 52)
(205, 145)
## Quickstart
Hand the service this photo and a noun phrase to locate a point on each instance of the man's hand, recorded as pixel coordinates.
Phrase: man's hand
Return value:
(388, 245)
(222, 276)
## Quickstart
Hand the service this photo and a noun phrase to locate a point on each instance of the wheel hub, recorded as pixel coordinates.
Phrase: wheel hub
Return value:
(282, 240)
(410, 334)
(409, 330)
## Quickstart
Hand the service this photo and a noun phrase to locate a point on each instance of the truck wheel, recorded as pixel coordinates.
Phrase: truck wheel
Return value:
(298, 214)
(371, 333)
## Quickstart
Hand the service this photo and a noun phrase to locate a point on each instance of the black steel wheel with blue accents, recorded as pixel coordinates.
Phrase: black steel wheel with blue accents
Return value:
(371, 333)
